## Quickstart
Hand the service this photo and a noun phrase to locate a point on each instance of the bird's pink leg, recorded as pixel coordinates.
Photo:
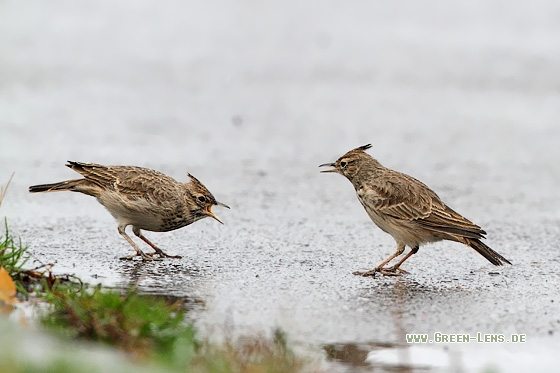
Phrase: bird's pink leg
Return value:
(158, 251)
(138, 251)
(395, 270)
(380, 269)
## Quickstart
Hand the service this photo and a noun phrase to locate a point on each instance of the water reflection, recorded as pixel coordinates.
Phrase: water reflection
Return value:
(176, 282)
(395, 357)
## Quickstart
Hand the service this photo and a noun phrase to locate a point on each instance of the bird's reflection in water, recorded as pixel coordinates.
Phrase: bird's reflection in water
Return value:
(173, 281)
(394, 357)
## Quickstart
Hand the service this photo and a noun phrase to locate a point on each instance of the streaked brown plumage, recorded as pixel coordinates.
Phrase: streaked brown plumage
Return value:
(406, 209)
(140, 197)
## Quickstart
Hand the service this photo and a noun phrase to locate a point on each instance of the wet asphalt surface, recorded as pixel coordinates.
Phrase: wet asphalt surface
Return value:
(250, 97)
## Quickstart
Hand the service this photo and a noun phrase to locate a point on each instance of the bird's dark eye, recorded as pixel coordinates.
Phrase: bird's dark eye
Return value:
(343, 164)
(202, 198)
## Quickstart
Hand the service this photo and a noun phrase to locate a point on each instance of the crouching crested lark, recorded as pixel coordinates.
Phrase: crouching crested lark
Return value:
(140, 197)
(406, 209)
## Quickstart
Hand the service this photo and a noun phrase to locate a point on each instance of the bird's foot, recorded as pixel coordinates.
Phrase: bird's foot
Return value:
(145, 257)
(391, 271)
(371, 273)
(162, 254)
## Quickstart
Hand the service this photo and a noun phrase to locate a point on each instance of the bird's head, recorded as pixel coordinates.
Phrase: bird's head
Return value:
(349, 164)
(202, 199)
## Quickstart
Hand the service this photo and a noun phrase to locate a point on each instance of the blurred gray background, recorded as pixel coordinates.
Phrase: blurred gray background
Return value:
(250, 97)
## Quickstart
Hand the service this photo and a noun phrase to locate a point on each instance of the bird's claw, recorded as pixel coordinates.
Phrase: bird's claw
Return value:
(391, 271)
(163, 255)
(145, 257)
(371, 273)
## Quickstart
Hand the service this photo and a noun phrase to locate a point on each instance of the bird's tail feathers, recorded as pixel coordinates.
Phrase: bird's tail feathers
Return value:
(492, 256)
(71, 185)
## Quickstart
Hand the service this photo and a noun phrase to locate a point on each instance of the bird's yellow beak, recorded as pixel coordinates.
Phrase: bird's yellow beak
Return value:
(211, 214)
(332, 169)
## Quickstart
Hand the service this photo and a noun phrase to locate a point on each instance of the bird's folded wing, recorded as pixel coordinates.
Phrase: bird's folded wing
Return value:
(399, 200)
(147, 184)
(444, 219)
(97, 174)
(131, 182)
(414, 201)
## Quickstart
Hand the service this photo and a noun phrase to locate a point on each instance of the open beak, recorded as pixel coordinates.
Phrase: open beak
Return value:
(332, 169)
(211, 214)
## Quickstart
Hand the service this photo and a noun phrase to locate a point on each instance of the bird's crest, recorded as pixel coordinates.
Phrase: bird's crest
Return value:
(194, 179)
(363, 147)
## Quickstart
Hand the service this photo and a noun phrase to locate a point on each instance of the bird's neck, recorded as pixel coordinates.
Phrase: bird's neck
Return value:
(367, 171)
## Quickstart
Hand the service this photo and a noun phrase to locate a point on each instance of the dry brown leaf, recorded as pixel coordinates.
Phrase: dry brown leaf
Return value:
(7, 287)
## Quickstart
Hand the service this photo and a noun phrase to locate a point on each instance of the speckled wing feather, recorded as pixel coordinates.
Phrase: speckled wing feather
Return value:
(397, 197)
(447, 220)
(94, 173)
(405, 198)
(130, 181)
